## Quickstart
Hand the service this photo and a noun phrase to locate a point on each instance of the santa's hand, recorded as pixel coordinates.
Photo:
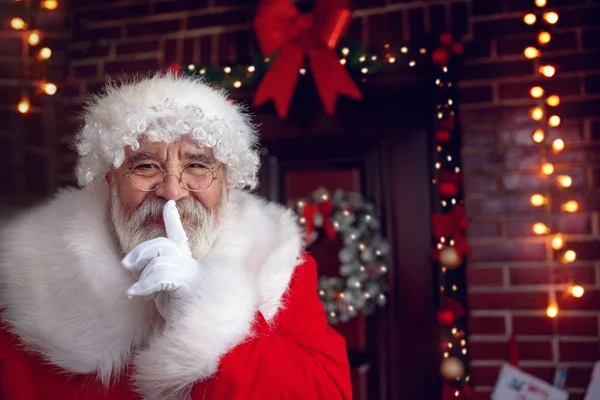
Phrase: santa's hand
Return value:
(166, 264)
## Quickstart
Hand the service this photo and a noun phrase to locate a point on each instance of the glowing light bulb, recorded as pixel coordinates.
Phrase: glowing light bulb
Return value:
(18, 23)
(539, 228)
(302, 71)
(227, 70)
(554, 121)
(564, 180)
(343, 61)
(24, 105)
(404, 50)
(538, 136)
(557, 242)
(576, 291)
(364, 70)
(530, 19)
(538, 200)
(548, 71)
(569, 256)
(558, 145)
(49, 88)
(536, 92)
(551, 17)
(392, 60)
(547, 169)
(34, 38)
(537, 113)
(251, 68)
(570, 206)
(237, 84)
(552, 310)
(345, 51)
(541, 3)
(49, 4)
(362, 58)
(44, 53)
(553, 100)
(544, 38)
(531, 53)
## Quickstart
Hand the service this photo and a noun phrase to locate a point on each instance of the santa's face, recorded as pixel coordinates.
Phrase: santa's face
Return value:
(139, 192)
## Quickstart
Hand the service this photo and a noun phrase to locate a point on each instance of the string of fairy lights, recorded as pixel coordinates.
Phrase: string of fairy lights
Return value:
(33, 38)
(545, 114)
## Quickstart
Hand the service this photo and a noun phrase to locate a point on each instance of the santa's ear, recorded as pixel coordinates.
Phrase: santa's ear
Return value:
(108, 177)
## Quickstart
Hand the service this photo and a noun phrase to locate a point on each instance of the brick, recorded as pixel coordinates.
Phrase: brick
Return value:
(516, 45)
(437, 19)
(520, 90)
(416, 23)
(484, 229)
(519, 5)
(568, 224)
(477, 136)
(534, 181)
(577, 155)
(528, 350)
(141, 66)
(498, 28)
(501, 159)
(509, 115)
(113, 13)
(480, 183)
(589, 38)
(188, 54)
(544, 275)
(10, 46)
(578, 376)
(580, 17)
(589, 301)
(498, 204)
(588, 200)
(395, 26)
(478, 49)
(577, 326)
(222, 19)
(86, 71)
(532, 325)
(51, 22)
(575, 62)
(92, 51)
(205, 49)
(586, 250)
(578, 351)
(95, 34)
(459, 17)
(226, 48)
(476, 94)
(170, 51)
(510, 251)
(137, 47)
(486, 7)
(483, 375)
(485, 277)
(592, 84)
(154, 28)
(497, 69)
(9, 95)
(165, 7)
(520, 135)
(486, 325)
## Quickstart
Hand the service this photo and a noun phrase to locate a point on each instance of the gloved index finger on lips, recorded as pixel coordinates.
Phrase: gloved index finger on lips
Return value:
(173, 225)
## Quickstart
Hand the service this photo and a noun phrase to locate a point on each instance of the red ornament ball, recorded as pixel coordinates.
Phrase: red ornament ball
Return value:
(446, 38)
(175, 66)
(440, 56)
(442, 136)
(448, 189)
(445, 318)
(457, 48)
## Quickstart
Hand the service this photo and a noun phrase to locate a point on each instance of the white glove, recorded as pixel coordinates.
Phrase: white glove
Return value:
(166, 265)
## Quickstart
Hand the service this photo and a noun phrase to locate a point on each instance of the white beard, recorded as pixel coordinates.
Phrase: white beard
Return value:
(201, 224)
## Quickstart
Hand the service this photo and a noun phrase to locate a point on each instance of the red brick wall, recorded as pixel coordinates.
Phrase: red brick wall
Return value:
(508, 274)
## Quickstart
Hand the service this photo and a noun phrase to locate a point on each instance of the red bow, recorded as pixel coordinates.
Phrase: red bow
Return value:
(281, 28)
(324, 208)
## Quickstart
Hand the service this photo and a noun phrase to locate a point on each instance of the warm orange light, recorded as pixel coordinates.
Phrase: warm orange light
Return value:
(49, 4)
(553, 100)
(538, 136)
(558, 145)
(570, 206)
(548, 71)
(576, 291)
(551, 17)
(547, 169)
(34, 38)
(531, 53)
(49, 88)
(554, 121)
(18, 23)
(530, 19)
(540, 228)
(392, 59)
(24, 105)
(237, 84)
(536, 92)
(564, 180)
(541, 3)
(569, 256)
(557, 242)
(552, 310)
(537, 113)
(544, 38)
(44, 53)
(538, 200)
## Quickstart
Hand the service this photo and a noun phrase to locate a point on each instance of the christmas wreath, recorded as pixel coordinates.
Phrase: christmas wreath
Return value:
(361, 285)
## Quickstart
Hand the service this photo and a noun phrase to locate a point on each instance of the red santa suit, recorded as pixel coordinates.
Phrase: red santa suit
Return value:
(69, 331)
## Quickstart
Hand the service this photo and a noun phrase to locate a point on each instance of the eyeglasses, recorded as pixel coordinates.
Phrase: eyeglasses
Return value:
(195, 177)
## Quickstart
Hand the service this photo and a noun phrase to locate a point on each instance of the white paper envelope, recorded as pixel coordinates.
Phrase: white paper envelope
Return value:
(593, 390)
(514, 384)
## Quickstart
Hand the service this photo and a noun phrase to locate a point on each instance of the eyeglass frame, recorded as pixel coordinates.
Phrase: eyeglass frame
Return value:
(179, 176)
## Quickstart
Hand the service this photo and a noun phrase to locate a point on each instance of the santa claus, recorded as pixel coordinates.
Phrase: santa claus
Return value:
(161, 278)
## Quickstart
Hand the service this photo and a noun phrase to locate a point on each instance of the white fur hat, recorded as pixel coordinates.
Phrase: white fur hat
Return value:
(165, 107)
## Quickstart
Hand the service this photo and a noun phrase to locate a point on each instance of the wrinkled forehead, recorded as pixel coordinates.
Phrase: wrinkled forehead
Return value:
(184, 148)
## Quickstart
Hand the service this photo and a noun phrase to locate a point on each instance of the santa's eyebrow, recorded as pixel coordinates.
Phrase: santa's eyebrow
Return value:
(199, 157)
(139, 157)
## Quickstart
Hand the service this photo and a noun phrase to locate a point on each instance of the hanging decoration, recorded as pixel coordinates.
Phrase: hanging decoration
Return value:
(545, 115)
(288, 36)
(33, 38)
(450, 249)
(361, 284)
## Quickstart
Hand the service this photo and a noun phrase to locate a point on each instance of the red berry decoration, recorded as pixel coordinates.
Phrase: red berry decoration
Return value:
(440, 56)
(445, 38)
(442, 136)
(445, 318)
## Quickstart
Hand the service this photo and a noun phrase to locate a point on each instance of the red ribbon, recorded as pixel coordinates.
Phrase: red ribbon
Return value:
(324, 208)
(280, 28)
(513, 351)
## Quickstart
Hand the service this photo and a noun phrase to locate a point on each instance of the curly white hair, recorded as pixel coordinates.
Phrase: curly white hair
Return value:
(163, 108)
